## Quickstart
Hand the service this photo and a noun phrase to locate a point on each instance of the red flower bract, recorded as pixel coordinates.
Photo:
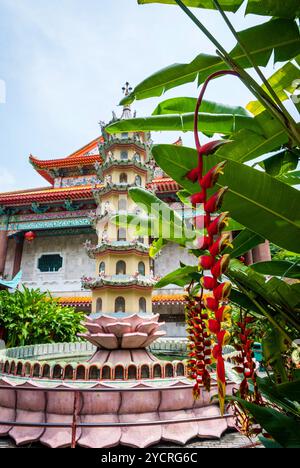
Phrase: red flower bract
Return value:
(210, 179)
(222, 291)
(214, 203)
(208, 282)
(218, 224)
(198, 198)
(206, 261)
(220, 266)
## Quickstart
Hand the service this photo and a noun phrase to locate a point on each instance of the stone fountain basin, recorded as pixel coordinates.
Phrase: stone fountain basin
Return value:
(110, 402)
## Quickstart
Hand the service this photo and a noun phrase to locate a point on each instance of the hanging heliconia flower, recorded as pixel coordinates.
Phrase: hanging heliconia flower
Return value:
(206, 319)
(199, 344)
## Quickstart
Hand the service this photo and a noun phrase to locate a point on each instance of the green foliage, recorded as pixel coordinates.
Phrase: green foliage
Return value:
(209, 124)
(181, 277)
(262, 201)
(248, 199)
(244, 242)
(30, 316)
(280, 268)
(282, 81)
(285, 9)
(285, 429)
(280, 36)
(185, 105)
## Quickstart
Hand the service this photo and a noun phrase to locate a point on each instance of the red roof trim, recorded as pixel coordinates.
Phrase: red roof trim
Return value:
(74, 193)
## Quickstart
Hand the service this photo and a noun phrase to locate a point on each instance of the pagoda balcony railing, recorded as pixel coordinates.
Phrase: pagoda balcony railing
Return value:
(123, 141)
(120, 280)
(111, 162)
(93, 250)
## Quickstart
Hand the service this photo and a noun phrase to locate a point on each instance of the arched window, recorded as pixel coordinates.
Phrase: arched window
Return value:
(122, 205)
(122, 234)
(141, 268)
(120, 304)
(138, 180)
(102, 267)
(124, 156)
(142, 305)
(124, 136)
(99, 305)
(121, 268)
(137, 157)
(123, 178)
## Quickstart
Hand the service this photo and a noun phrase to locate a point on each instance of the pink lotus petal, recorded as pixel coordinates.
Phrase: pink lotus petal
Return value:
(59, 437)
(105, 340)
(119, 328)
(100, 437)
(140, 402)
(213, 428)
(140, 436)
(178, 433)
(153, 337)
(27, 435)
(175, 400)
(147, 327)
(133, 340)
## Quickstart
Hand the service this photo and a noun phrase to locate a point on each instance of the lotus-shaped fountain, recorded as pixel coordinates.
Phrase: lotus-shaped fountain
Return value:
(122, 334)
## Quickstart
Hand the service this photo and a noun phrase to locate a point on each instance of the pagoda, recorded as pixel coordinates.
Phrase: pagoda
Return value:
(124, 281)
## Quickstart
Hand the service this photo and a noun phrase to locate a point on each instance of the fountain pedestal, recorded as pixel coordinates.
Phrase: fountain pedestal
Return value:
(123, 339)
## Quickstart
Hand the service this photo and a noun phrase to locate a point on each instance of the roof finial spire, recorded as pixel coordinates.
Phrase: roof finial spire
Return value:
(127, 89)
(126, 109)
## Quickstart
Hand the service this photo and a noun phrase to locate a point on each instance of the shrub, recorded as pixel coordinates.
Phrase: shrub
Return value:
(30, 316)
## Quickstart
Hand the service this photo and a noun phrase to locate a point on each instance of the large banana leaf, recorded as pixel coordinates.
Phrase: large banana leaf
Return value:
(250, 137)
(181, 277)
(283, 8)
(284, 429)
(280, 36)
(246, 144)
(225, 124)
(244, 242)
(259, 202)
(280, 268)
(184, 105)
(165, 222)
(281, 163)
(281, 81)
(275, 292)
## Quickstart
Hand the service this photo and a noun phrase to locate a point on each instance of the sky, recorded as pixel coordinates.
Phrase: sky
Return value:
(63, 64)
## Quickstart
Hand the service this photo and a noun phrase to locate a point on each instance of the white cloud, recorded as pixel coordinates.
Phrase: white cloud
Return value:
(7, 180)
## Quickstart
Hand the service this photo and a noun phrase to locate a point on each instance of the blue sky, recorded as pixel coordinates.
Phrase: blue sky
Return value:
(63, 63)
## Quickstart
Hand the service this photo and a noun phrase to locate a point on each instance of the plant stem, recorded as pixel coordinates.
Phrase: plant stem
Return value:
(263, 98)
(248, 55)
(285, 120)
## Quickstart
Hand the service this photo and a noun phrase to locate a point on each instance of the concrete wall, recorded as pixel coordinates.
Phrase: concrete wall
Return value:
(76, 264)
(170, 258)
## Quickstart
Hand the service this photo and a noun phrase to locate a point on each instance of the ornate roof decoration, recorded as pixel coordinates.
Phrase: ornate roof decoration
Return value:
(118, 280)
(88, 155)
(116, 246)
(85, 301)
(47, 195)
(163, 184)
(128, 164)
(126, 114)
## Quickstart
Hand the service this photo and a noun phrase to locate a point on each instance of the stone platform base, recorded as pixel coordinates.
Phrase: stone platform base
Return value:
(135, 414)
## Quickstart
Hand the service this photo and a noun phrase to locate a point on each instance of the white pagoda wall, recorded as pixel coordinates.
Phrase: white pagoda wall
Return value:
(76, 264)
